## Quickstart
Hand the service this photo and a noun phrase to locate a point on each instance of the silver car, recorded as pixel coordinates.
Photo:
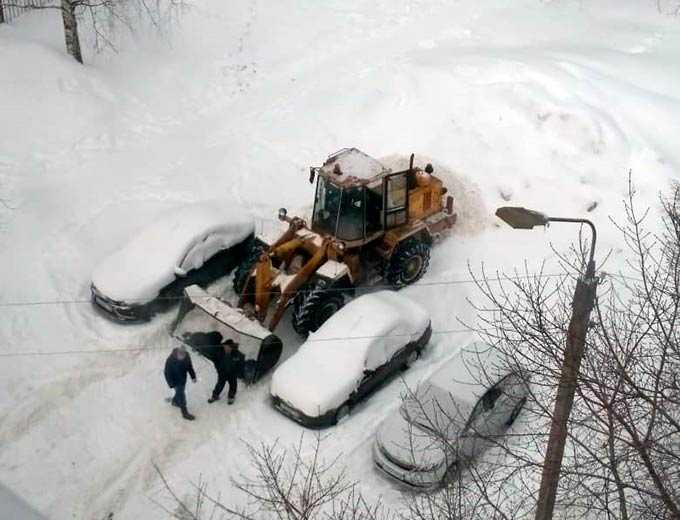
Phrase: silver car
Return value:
(462, 409)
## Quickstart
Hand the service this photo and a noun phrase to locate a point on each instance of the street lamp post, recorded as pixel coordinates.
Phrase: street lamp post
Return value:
(582, 305)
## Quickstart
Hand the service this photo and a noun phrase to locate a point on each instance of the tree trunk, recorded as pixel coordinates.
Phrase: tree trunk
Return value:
(71, 29)
(2, 13)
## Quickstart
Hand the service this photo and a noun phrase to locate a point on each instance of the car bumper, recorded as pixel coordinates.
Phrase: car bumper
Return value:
(420, 480)
(117, 310)
(316, 422)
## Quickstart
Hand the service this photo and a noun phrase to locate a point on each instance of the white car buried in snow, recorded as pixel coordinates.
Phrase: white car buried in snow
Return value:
(193, 244)
(462, 409)
(357, 349)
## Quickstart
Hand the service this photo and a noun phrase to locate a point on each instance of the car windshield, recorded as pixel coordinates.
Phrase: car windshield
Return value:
(434, 410)
(339, 211)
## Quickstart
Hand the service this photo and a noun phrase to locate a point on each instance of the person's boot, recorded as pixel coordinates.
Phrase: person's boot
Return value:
(213, 399)
(230, 400)
(187, 415)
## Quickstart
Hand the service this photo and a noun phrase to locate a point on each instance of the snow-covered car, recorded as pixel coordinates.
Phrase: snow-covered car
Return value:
(370, 339)
(193, 244)
(453, 416)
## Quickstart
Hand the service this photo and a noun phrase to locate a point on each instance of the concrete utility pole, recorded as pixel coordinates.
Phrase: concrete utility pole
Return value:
(583, 302)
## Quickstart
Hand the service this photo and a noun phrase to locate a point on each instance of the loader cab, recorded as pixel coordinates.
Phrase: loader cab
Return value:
(339, 210)
(361, 211)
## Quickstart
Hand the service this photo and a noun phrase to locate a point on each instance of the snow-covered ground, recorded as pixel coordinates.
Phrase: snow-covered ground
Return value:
(543, 104)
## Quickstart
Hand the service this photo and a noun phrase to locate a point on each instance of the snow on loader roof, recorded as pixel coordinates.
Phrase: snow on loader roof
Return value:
(350, 162)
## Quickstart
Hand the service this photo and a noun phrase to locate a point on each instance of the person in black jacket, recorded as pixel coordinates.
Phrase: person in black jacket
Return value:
(229, 368)
(177, 366)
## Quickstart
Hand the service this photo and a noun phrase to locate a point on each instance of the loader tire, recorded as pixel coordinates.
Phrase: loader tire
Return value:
(408, 263)
(313, 305)
(242, 273)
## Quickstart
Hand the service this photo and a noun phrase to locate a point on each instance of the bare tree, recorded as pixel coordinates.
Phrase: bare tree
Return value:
(68, 13)
(623, 456)
(103, 16)
(287, 485)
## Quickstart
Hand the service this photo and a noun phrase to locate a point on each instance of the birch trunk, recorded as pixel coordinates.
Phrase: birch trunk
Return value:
(71, 29)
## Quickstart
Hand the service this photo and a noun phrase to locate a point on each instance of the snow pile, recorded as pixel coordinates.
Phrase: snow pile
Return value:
(363, 335)
(182, 238)
(473, 215)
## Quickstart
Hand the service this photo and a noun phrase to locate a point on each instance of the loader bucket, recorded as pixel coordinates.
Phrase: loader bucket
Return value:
(204, 322)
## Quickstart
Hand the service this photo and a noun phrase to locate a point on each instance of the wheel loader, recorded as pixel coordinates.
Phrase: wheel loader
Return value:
(369, 224)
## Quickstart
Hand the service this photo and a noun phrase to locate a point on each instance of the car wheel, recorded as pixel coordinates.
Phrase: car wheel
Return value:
(516, 411)
(341, 413)
(412, 357)
(450, 475)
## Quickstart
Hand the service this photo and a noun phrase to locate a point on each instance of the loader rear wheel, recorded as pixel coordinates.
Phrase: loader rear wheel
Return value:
(253, 252)
(408, 263)
(313, 305)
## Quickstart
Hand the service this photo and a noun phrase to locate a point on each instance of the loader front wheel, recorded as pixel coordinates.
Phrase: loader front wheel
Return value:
(408, 263)
(242, 273)
(313, 305)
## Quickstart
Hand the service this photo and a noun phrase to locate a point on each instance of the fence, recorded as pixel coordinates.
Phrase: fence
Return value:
(11, 9)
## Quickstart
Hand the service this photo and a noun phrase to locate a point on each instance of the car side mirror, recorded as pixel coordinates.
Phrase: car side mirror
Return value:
(180, 272)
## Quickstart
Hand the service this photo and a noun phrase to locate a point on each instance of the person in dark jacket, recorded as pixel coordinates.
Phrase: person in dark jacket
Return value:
(177, 366)
(229, 368)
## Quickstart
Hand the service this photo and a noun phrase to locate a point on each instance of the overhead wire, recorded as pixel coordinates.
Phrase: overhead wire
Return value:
(481, 278)
(141, 348)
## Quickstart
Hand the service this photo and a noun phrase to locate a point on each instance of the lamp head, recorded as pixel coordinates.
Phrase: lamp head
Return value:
(521, 218)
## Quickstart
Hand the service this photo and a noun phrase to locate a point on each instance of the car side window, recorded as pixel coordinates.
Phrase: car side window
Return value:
(489, 399)
(486, 403)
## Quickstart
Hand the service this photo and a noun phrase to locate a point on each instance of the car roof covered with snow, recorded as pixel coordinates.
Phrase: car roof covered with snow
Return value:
(181, 237)
(349, 163)
(363, 335)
